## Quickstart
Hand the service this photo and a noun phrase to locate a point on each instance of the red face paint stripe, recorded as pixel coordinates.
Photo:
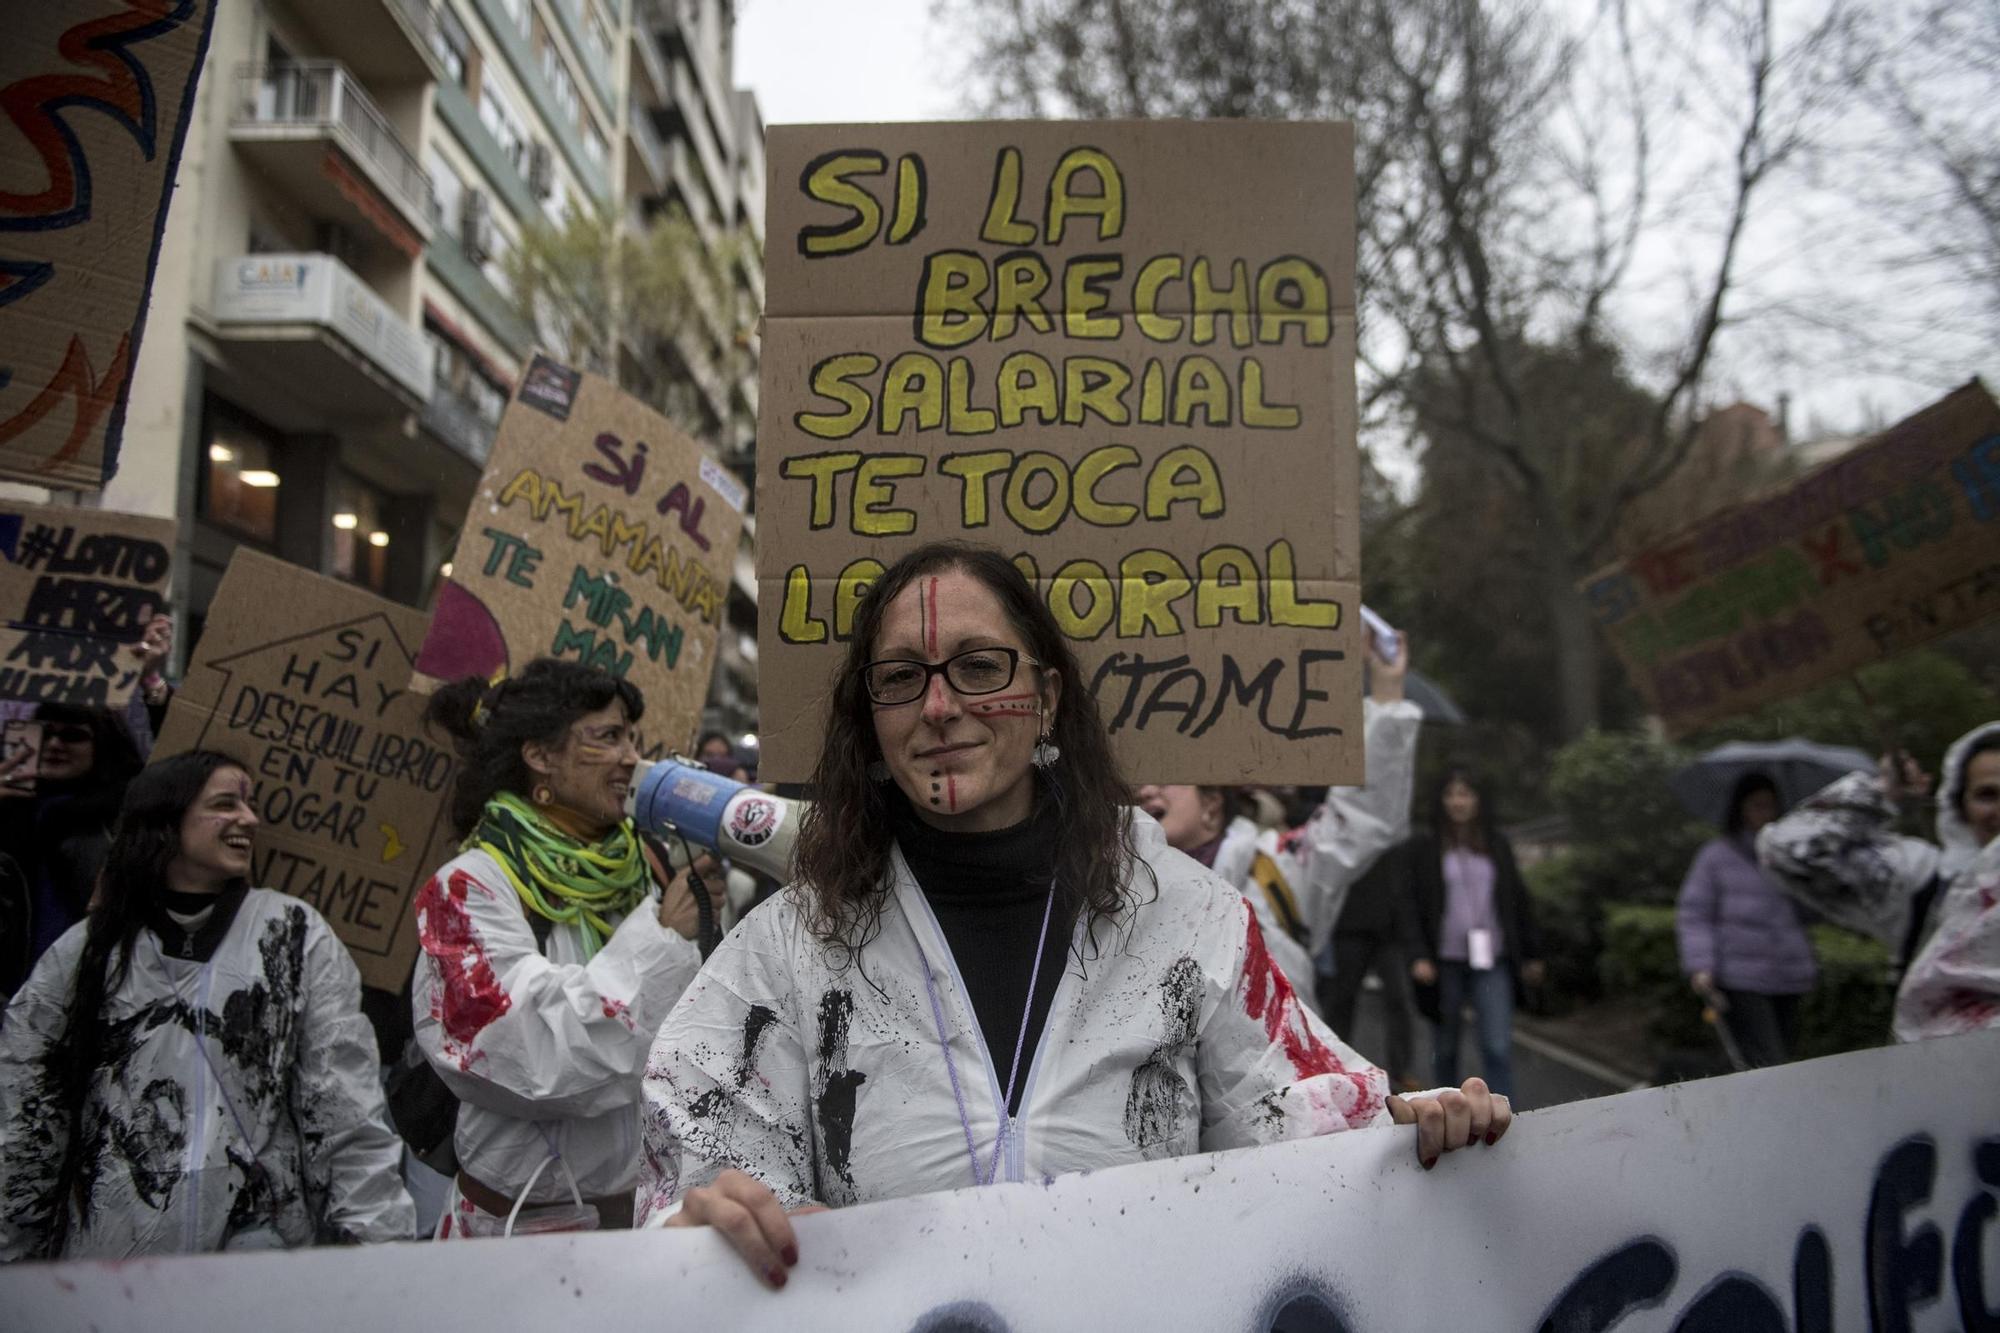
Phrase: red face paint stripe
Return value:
(930, 628)
(950, 792)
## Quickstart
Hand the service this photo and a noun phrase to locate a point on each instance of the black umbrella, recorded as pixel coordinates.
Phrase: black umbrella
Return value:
(1797, 767)
(1431, 701)
(1437, 706)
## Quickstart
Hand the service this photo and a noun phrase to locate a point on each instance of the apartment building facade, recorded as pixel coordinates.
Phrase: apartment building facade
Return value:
(332, 339)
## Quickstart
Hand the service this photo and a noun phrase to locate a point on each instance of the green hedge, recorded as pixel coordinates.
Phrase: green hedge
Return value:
(1570, 921)
(1848, 1010)
(1851, 1007)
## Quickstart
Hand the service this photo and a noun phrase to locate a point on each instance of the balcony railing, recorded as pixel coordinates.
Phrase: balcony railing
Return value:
(458, 423)
(322, 95)
(421, 18)
(652, 149)
(255, 293)
(654, 65)
(684, 41)
(699, 131)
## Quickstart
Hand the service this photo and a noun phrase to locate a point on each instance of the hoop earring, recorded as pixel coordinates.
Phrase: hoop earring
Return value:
(543, 794)
(1046, 752)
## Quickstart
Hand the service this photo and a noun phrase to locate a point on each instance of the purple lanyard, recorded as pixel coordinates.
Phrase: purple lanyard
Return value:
(1020, 1041)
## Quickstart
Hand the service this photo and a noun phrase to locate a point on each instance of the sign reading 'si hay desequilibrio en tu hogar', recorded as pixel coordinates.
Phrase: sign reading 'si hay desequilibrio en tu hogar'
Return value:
(1122, 354)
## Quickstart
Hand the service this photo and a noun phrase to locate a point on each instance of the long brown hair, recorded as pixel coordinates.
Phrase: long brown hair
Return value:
(1480, 834)
(842, 856)
(143, 846)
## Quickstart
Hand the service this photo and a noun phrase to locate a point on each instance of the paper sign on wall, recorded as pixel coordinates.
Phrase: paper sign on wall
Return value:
(95, 98)
(602, 534)
(77, 587)
(1889, 546)
(1121, 353)
(304, 680)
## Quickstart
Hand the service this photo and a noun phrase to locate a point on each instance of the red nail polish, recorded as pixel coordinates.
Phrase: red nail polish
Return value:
(776, 1277)
(1430, 1162)
(790, 1256)
(1492, 1137)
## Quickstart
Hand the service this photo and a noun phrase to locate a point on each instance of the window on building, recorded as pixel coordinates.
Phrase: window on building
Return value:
(594, 146)
(520, 11)
(557, 205)
(505, 124)
(444, 540)
(360, 533)
(495, 267)
(561, 86)
(448, 188)
(452, 45)
(597, 33)
(455, 371)
(240, 471)
(265, 241)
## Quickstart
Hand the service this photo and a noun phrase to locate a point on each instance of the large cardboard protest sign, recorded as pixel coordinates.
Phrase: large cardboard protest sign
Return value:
(1888, 546)
(305, 681)
(1856, 1192)
(600, 534)
(1120, 353)
(95, 97)
(77, 587)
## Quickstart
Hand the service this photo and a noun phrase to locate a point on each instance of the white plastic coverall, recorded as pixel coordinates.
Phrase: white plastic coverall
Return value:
(284, 1074)
(1175, 1034)
(1839, 854)
(1304, 875)
(544, 1052)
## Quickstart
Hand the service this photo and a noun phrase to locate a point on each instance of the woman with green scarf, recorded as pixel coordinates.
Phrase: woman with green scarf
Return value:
(551, 952)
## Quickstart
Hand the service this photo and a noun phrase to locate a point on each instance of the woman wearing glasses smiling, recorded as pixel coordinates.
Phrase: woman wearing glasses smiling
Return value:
(989, 968)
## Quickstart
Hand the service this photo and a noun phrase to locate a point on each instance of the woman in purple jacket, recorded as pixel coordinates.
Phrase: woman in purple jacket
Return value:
(1742, 946)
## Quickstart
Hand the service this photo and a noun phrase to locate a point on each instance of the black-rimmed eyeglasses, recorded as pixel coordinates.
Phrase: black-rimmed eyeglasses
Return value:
(976, 671)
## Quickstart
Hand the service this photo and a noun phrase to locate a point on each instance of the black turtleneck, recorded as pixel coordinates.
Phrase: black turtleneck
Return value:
(988, 892)
(199, 942)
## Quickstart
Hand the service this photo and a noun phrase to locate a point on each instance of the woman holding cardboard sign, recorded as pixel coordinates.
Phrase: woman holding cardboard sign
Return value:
(989, 967)
(554, 945)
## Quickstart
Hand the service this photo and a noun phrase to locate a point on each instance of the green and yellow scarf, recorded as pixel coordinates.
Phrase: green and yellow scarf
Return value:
(559, 878)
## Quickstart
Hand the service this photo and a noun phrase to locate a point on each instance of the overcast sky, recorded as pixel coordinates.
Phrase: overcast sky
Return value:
(820, 60)
(824, 61)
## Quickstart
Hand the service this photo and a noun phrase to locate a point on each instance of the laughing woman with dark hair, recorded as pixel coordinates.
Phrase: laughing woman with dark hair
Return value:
(988, 966)
(189, 1070)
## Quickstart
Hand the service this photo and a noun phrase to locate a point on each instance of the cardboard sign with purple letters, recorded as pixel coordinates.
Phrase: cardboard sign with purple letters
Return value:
(602, 534)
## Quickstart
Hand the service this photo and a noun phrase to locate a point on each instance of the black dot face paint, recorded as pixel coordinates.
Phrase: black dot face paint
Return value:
(937, 787)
